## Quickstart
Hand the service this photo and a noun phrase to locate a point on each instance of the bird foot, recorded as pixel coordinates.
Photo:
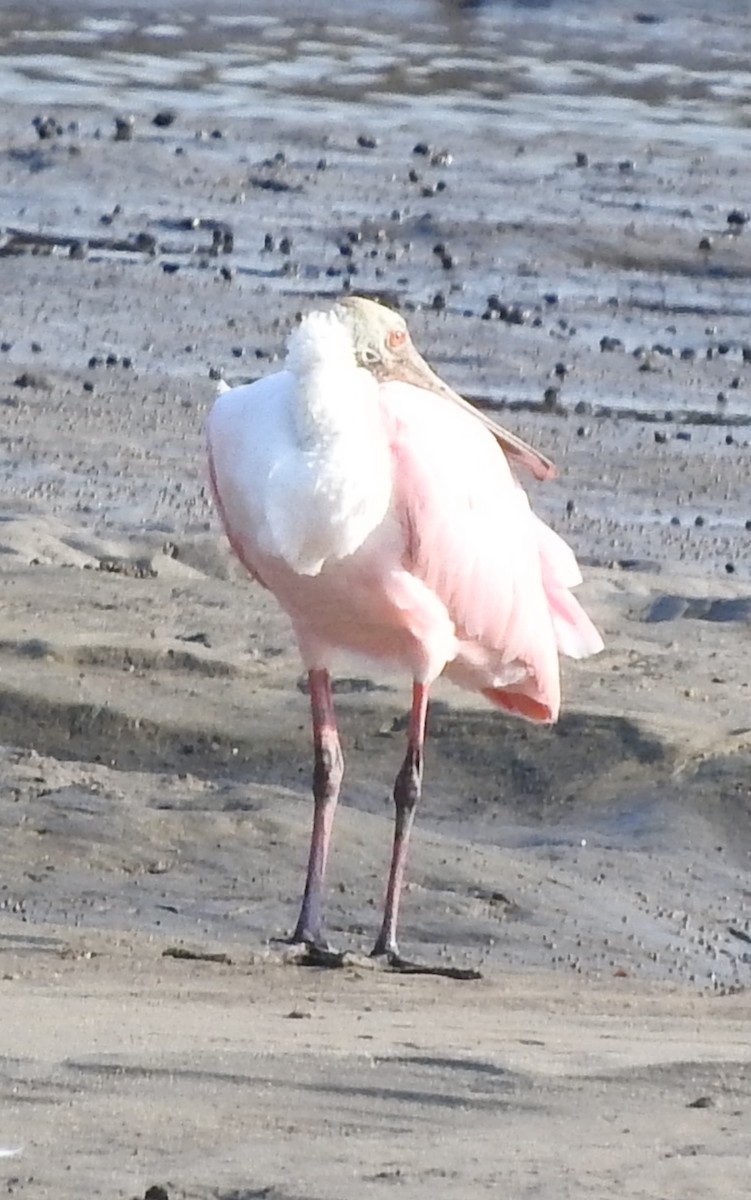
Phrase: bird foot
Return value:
(320, 954)
(314, 954)
(391, 960)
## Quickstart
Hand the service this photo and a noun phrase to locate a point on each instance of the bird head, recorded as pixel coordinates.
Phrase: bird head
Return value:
(380, 337)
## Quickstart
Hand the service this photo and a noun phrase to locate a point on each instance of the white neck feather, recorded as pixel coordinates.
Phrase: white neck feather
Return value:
(319, 340)
(335, 488)
(332, 391)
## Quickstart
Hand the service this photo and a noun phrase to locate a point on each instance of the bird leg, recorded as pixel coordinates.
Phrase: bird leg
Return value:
(327, 778)
(407, 791)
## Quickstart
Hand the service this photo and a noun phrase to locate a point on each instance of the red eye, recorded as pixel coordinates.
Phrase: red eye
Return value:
(396, 338)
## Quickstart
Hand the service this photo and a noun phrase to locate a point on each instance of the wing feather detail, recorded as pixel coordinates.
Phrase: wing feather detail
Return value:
(471, 537)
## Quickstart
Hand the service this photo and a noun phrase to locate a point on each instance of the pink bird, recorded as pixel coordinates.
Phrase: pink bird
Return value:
(381, 510)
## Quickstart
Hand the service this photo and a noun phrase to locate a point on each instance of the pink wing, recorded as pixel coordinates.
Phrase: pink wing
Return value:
(471, 538)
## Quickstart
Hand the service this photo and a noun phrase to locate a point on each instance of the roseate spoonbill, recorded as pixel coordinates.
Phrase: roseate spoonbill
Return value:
(381, 510)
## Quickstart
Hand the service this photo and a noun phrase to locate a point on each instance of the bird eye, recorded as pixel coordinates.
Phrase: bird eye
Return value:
(370, 355)
(396, 338)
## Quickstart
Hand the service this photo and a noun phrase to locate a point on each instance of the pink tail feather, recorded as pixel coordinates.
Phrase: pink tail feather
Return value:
(575, 634)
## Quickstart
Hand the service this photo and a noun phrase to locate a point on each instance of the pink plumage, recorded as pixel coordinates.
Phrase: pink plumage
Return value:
(384, 516)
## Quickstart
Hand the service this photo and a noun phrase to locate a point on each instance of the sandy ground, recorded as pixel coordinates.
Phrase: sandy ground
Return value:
(154, 746)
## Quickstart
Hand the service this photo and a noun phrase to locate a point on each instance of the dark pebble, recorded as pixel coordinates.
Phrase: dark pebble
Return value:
(227, 273)
(156, 1192)
(268, 242)
(729, 439)
(413, 176)
(95, 362)
(164, 118)
(422, 148)
(345, 250)
(88, 386)
(216, 134)
(237, 351)
(698, 522)
(124, 128)
(626, 164)
(146, 242)
(706, 243)
(30, 379)
(447, 261)
(367, 142)
(321, 165)
(78, 250)
(737, 217)
(551, 298)
(6, 346)
(215, 373)
(561, 370)
(112, 360)
(582, 159)
(570, 507)
(723, 347)
(687, 353)
(46, 127)
(683, 435)
(660, 437)
(721, 398)
(36, 347)
(285, 245)
(583, 408)
(439, 302)
(610, 343)
(675, 520)
(730, 568)
(735, 382)
(170, 268)
(550, 399)
(127, 362)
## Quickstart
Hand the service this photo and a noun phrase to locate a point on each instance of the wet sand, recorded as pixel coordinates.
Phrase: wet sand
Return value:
(153, 731)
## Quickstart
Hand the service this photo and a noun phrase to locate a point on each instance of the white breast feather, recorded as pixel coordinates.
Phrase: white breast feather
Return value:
(301, 458)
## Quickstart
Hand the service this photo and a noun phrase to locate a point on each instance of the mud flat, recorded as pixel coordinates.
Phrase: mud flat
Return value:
(558, 206)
